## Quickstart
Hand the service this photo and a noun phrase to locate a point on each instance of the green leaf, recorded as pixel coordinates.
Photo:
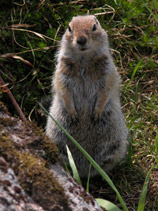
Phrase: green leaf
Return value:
(73, 166)
(66, 167)
(155, 4)
(89, 174)
(154, 15)
(156, 143)
(135, 69)
(141, 203)
(109, 206)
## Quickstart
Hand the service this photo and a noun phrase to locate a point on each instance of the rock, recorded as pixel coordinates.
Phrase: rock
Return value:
(31, 177)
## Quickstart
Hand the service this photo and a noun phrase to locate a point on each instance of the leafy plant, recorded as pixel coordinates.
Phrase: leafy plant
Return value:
(73, 166)
(109, 206)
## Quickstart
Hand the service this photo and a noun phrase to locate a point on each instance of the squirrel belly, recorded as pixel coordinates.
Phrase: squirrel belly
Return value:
(86, 98)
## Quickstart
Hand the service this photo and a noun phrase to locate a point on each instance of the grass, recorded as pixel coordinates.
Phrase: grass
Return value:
(142, 199)
(73, 167)
(132, 28)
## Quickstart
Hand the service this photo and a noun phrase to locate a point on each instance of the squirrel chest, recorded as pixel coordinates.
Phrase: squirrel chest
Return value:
(84, 78)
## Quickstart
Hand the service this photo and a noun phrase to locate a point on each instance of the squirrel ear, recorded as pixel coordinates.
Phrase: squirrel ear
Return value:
(69, 28)
(96, 20)
(94, 28)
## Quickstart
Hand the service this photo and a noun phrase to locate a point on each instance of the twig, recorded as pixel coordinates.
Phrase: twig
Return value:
(71, 2)
(29, 31)
(17, 107)
(11, 55)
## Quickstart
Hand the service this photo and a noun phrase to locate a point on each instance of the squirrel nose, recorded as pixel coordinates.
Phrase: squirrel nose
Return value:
(82, 40)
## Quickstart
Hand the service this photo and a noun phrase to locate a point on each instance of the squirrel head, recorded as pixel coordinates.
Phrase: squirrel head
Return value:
(84, 34)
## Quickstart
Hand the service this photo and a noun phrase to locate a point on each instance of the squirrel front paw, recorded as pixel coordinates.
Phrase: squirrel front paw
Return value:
(97, 114)
(73, 115)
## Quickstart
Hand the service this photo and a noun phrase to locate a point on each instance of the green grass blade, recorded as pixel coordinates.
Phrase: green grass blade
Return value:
(94, 164)
(109, 206)
(89, 174)
(135, 69)
(73, 166)
(156, 143)
(66, 167)
(155, 16)
(141, 203)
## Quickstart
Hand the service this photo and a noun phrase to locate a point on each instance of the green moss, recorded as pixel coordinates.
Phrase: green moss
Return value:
(37, 180)
(8, 122)
(3, 107)
(7, 149)
(43, 144)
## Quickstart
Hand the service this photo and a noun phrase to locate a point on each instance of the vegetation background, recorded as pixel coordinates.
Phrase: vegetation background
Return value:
(30, 32)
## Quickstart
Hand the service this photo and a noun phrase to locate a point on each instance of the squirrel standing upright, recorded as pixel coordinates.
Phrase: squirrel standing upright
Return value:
(86, 98)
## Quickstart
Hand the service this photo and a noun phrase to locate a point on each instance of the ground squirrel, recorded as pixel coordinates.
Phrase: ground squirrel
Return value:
(86, 98)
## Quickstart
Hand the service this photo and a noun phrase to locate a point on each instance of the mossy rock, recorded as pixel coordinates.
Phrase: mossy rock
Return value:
(36, 163)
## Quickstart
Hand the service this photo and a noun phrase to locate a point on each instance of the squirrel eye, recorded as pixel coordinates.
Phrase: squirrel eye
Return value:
(69, 28)
(94, 27)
